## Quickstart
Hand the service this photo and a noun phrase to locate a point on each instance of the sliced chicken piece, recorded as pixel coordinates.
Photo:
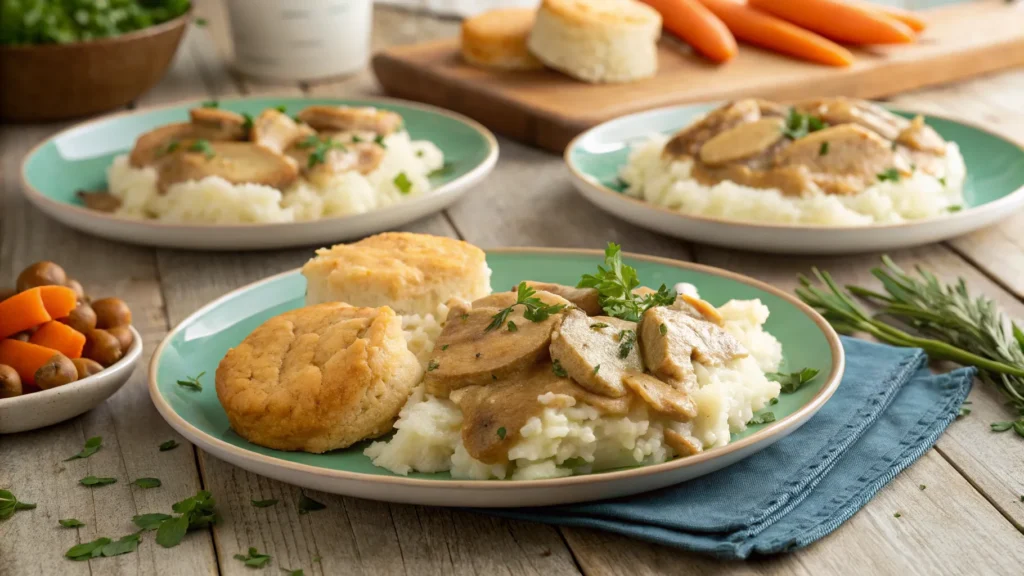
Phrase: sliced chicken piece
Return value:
(842, 159)
(661, 397)
(276, 131)
(100, 201)
(236, 162)
(837, 111)
(585, 299)
(698, 308)
(596, 351)
(921, 137)
(338, 158)
(232, 124)
(350, 119)
(467, 353)
(683, 445)
(688, 141)
(155, 144)
(671, 340)
(493, 415)
(771, 109)
(742, 142)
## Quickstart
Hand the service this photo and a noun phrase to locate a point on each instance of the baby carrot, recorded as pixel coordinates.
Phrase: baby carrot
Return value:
(59, 300)
(21, 312)
(60, 337)
(24, 357)
(756, 27)
(838, 21)
(697, 26)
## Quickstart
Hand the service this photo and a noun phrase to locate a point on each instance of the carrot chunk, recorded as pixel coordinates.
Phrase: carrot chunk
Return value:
(26, 358)
(21, 312)
(60, 337)
(59, 300)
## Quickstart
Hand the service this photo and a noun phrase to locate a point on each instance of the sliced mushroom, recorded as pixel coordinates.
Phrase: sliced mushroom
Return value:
(922, 137)
(742, 142)
(596, 351)
(661, 397)
(670, 340)
(688, 141)
(842, 159)
(837, 111)
(683, 445)
(351, 119)
(276, 131)
(231, 124)
(156, 144)
(586, 299)
(236, 162)
(100, 201)
(467, 353)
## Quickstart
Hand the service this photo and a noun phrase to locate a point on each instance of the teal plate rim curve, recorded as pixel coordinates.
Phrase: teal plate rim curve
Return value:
(792, 318)
(946, 126)
(94, 162)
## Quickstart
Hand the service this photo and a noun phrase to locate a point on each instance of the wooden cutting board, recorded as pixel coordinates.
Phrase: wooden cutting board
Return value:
(547, 109)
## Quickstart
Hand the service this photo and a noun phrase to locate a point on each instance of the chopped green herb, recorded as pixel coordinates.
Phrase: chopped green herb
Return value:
(922, 486)
(316, 558)
(794, 380)
(598, 325)
(150, 521)
(94, 481)
(203, 146)
(627, 339)
(281, 108)
(92, 445)
(942, 180)
(169, 148)
(321, 147)
(1001, 426)
(193, 382)
(615, 283)
(890, 175)
(419, 153)
(248, 123)
(536, 309)
(125, 545)
(307, 504)
(596, 368)
(71, 522)
(823, 149)
(379, 141)
(445, 347)
(87, 550)
(195, 512)
(291, 572)
(171, 531)
(9, 504)
(63, 22)
(464, 316)
(200, 22)
(512, 326)
(501, 432)
(954, 208)
(445, 169)
(773, 401)
(147, 483)
(211, 104)
(663, 329)
(897, 515)
(403, 183)
(264, 503)
(559, 371)
(964, 411)
(432, 365)
(762, 419)
(254, 559)
(169, 445)
(799, 125)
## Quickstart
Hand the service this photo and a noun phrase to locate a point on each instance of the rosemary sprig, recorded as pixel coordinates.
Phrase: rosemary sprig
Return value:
(920, 311)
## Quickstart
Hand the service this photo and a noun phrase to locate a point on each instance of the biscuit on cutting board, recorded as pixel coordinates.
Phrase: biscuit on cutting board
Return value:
(497, 39)
(597, 40)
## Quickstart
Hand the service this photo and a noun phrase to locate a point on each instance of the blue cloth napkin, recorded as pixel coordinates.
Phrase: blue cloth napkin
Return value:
(888, 410)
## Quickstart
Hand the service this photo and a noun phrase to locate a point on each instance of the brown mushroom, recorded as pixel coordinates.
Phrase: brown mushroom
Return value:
(10, 382)
(41, 274)
(236, 162)
(57, 371)
(111, 312)
(86, 367)
(231, 124)
(742, 142)
(102, 346)
(351, 119)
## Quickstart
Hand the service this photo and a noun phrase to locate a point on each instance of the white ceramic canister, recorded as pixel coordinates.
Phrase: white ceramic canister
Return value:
(300, 39)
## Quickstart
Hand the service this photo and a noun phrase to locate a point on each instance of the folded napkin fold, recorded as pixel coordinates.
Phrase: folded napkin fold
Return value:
(888, 410)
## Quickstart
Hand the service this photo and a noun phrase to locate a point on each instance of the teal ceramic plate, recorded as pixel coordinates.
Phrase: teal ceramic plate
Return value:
(77, 159)
(198, 344)
(993, 190)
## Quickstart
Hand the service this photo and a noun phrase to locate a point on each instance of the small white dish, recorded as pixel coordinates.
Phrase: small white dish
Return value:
(48, 407)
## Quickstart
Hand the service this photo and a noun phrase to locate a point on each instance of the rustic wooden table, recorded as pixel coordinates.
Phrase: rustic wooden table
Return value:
(960, 506)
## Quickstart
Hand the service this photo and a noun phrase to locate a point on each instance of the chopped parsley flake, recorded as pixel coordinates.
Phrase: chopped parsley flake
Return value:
(556, 367)
(501, 433)
(432, 365)
(663, 329)
(890, 175)
(762, 419)
(627, 339)
(403, 183)
(598, 325)
(823, 149)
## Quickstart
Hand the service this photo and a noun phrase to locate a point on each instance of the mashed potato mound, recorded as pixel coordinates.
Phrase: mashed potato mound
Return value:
(668, 184)
(214, 200)
(569, 438)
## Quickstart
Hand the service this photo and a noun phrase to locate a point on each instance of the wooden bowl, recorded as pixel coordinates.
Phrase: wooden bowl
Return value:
(59, 81)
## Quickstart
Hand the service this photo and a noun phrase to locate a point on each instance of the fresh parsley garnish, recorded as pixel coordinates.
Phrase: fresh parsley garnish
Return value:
(403, 183)
(627, 339)
(291, 572)
(445, 347)
(501, 432)
(169, 148)
(281, 108)
(169, 445)
(147, 483)
(194, 512)
(200, 22)
(379, 141)
(1017, 427)
(320, 146)
(559, 371)
(897, 515)
(598, 325)
(92, 445)
(104, 547)
(247, 124)
(823, 149)
(445, 169)
(922, 486)
(615, 282)
(94, 481)
(264, 503)
(254, 559)
(773, 401)
(663, 329)
(890, 175)
(799, 125)
(964, 411)
(954, 208)
(307, 504)
(794, 380)
(762, 419)
(203, 146)
(71, 522)
(512, 326)
(464, 316)
(211, 104)
(942, 180)
(9, 504)
(596, 368)
(536, 309)
(192, 383)
(432, 365)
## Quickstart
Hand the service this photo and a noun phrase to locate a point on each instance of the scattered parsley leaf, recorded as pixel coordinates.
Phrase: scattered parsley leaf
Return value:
(615, 282)
(773, 401)
(281, 108)
(942, 180)
(556, 367)
(445, 169)
(94, 481)
(922, 486)
(501, 433)
(192, 382)
(147, 483)
(1001, 426)
(71, 522)
(92, 445)
(320, 146)
(316, 558)
(307, 504)
(799, 125)
(596, 368)
(264, 503)
(823, 149)
(762, 419)
(897, 515)
(291, 572)
(663, 329)
(195, 512)
(627, 339)
(954, 208)
(169, 148)
(403, 183)
(432, 365)
(200, 22)
(211, 104)
(171, 531)
(150, 521)
(254, 559)
(536, 309)
(87, 550)
(445, 347)
(203, 146)
(169, 445)
(125, 545)
(793, 381)
(512, 326)
(964, 411)
(890, 175)
(379, 141)
(248, 123)
(598, 325)
(9, 504)
(464, 316)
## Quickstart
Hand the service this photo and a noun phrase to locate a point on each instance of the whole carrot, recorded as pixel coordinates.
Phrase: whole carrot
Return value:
(760, 29)
(838, 21)
(697, 27)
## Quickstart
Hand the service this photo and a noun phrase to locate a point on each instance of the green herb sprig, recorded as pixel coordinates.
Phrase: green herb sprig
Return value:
(799, 125)
(615, 282)
(536, 309)
(92, 445)
(194, 513)
(793, 381)
(9, 504)
(192, 383)
(254, 559)
(320, 146)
